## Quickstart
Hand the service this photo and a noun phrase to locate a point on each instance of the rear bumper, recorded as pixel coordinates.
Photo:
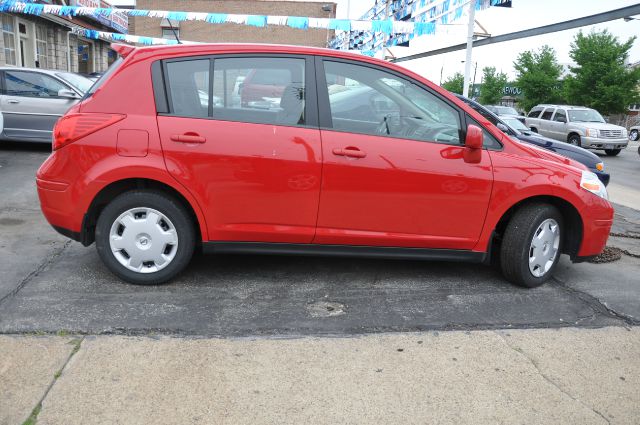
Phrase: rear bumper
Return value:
(594, 143)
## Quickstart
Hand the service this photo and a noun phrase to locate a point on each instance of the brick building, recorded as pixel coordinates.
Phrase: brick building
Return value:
(46, 41)
(235, 33)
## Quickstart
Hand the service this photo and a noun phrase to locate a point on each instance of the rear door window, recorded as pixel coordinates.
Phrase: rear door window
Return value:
(264, 90)
(546, 115)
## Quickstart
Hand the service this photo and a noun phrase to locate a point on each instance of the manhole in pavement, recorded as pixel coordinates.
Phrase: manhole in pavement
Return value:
(325, 309)
(609, 255)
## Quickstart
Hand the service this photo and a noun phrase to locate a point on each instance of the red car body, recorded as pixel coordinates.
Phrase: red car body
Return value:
(262, 183)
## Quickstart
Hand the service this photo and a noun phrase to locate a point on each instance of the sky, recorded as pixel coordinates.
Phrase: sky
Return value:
(496, 20)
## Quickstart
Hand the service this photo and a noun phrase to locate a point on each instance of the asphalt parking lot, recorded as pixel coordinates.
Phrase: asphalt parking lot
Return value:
(49, 284)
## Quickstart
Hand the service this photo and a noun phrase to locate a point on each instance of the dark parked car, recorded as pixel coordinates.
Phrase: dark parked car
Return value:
(505, 111)
(514, 128)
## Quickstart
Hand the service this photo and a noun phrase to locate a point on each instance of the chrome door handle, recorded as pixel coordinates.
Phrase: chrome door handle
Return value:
(13, 101)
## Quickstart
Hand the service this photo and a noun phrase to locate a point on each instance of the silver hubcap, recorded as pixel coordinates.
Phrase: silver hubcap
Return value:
(143, 240)
(633, 135)
(544, 247)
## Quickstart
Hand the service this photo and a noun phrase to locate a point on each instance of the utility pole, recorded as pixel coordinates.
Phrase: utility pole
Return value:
(467, 63)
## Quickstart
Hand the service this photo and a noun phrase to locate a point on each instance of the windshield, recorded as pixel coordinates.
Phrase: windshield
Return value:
(77, 81)
(505, 110)
(585, 115)
(515, 123)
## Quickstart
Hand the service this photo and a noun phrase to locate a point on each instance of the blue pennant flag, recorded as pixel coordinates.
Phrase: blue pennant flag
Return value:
(257, 20)
(298, 22)
(384, 25)
(340, 24)
(177, 16)
(216, 18)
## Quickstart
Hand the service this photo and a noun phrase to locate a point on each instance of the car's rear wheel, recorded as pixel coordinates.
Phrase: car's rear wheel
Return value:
(633, 135)
(612, 152)
(531, 245)
(574, 139)
(145, 237)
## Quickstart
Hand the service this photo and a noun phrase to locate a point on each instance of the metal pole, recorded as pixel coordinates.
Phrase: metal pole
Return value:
(467, 63)
(473, 86)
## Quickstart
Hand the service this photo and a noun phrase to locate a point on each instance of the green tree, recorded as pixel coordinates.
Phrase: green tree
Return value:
(455, 83)
(492, 86)
(600, 79)
(538, 74)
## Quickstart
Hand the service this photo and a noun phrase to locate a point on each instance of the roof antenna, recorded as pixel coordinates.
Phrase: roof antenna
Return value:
(173, 30)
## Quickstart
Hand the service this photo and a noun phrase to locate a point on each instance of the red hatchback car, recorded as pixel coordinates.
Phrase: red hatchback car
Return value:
(354, 156)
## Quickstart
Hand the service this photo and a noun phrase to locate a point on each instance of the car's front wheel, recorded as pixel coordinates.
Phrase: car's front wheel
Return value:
(612, 152)
(574, 139)
(145, 237)
(633, 135)
(531, 245)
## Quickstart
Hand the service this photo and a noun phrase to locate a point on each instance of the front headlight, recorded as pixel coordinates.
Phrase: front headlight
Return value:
(592, 183)
(592, 132)
(600, 166)
(624, 133)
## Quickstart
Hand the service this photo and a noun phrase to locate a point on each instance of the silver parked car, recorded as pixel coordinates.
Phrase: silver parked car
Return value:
(32, 100)
(579, 126)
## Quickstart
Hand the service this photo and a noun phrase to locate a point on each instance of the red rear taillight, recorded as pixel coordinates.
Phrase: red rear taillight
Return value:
(72, 127)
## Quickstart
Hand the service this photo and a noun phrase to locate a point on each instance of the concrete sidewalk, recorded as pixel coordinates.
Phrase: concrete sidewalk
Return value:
(565, 375)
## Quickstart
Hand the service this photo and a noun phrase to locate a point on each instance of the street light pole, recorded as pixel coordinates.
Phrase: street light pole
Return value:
(467, 64)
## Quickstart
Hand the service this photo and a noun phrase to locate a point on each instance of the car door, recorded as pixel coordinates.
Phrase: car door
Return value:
(545, 119)
(558, 125)
(395, 171)
(31, 104)
(255, 169)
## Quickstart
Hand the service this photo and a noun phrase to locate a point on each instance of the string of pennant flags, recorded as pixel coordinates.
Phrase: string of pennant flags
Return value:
(440, 11)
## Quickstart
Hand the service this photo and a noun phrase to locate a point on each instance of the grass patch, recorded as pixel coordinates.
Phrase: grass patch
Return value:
(33, 418)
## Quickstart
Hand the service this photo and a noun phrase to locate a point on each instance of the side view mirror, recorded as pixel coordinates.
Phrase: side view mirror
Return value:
(68, 94)
(474, 139)
(502, 127)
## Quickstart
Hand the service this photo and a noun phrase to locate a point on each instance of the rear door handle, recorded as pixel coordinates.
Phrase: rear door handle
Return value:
(188, 138)
(13, 101)
(350, 151)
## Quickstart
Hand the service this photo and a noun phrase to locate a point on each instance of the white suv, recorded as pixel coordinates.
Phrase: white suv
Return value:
(579, 126)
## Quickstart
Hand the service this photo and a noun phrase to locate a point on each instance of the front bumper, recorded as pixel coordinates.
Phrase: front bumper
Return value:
(596, 143)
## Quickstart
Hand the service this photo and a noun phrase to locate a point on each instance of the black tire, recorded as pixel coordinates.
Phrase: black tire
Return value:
(612, 152)
(535, 130)
(516, 243)
(162, 203)
(574, 139)
(633, 135)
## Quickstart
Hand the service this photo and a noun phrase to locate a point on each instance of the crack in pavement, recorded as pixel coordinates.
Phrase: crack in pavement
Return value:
(595, 304)
(38, 407)
(36, 271)
(550, 381)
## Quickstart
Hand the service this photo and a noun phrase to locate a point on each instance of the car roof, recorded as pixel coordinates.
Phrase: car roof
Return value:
(545, 105)
(253, 47)
(42, 70)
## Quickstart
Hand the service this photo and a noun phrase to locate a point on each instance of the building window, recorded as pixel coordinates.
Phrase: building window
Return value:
(166, 25)
(168, 33)
(9, 36)
(41, 47)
